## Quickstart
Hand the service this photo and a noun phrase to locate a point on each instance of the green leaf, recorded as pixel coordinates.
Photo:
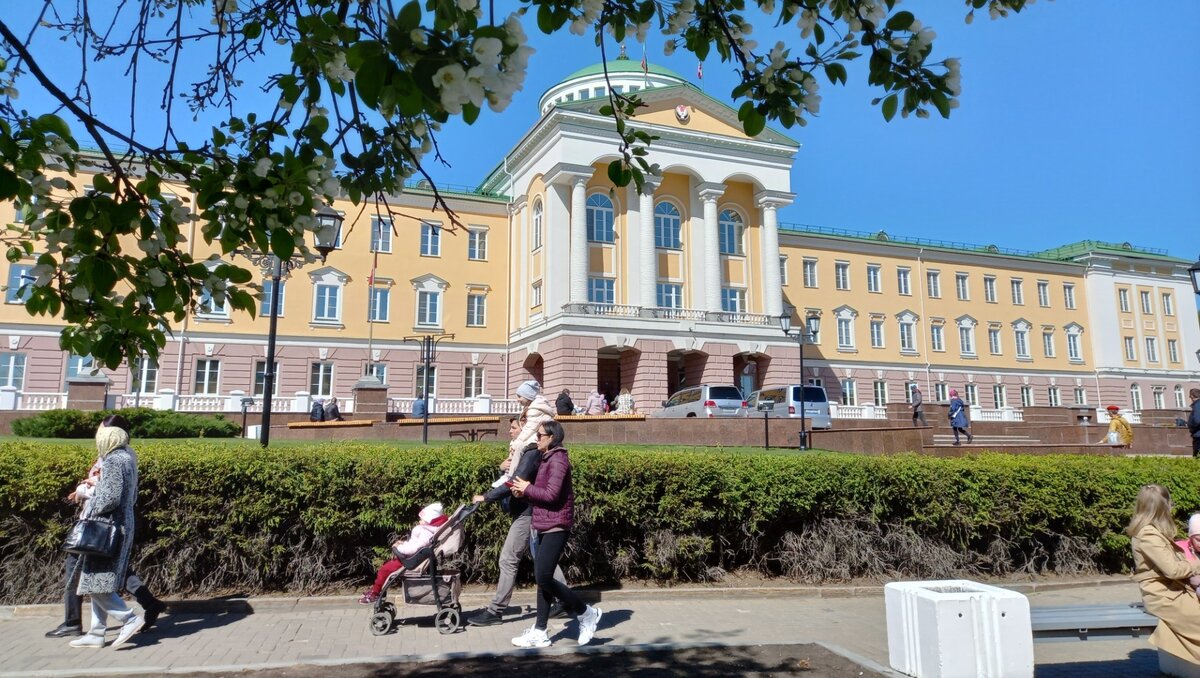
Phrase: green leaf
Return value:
(615, 168)
(889, 107)
(409, 16)
(545, 19)
(252, 30)
(9, 184)
(941, 103)
(369, 78)
(754, 123)
(900, 21)
(470, 113)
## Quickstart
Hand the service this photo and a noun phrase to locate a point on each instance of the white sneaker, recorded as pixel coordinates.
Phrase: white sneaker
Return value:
(587, 624)
(533, 637)
(88, 640)
(130, 627)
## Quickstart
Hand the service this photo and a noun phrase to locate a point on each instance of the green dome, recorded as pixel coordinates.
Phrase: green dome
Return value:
(625, 65)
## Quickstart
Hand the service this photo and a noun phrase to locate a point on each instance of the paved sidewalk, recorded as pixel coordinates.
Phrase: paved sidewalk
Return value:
(335, 631)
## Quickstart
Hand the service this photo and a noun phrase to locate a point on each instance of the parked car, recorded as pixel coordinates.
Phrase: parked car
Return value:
(704, 401)
(787, 403)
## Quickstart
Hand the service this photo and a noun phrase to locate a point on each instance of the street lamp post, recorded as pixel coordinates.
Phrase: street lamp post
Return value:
(803, 335)
(329, 223)
(428, 344)
(1194, 273)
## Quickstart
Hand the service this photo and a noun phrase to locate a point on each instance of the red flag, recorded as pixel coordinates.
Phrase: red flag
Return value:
(645, 68)
(700, 70)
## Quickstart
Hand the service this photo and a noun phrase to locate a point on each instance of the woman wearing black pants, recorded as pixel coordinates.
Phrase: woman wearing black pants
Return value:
(553, 517)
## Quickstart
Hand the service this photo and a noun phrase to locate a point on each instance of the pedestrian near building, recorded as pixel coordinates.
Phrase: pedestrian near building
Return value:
(1164, 575)
(1193, 422)
(317, 413)
(1120, 433)
(332, 413)
(958, 418)
(917, 402)
(563, 404)
(419, 408)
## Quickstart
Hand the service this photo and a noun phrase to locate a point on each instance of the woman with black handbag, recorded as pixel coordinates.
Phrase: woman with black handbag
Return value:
(104, 538)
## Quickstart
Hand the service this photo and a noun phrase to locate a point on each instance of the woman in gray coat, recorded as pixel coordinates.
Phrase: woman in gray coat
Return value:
(115, 497)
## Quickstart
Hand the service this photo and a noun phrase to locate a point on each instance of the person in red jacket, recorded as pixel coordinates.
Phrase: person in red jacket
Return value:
(553, 503)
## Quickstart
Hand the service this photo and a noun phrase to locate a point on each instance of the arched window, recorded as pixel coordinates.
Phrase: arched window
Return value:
(536, 227)
(667, 226)
(731, 228)
(599, 218)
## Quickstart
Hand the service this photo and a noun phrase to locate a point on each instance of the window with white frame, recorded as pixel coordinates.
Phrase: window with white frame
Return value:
(208, 374)
(1018, 291)
(264, 303)
(909, 387)
(1180, 403)
(1151, 350)
(903, 285)
(1026, 396)
(1021, 339)
(994, 341)
(1043, 291)
(1130, 349)
(941, 392)
(1054, 396)
(810, 272)
(328, 284)
(1160, 397)
(962, 286)
(668, 226)
(670, 295)
(1074, 352)
(966, 335)
(477, 243)
(18, 290)
(144, 376)
(989, 289)
(419, 385)
(733, 300)
(536, 296)
(207, 306)
(601, 290)
(881, 393)
(1147, 305)
(377, 370)
(1173, 350)
(12, 370)
(381, 234)
(473, 381)
(783, 276)
(1069, 296)
(1123, 300)
(972, 394)
(429, 308)
(849, 392)
(260, 378)
(1080, 395)
(845, 328)
(320, 383)
(599, 217)
(1168, 304)
(381, 305)
(80, 366)
(1135, 397)
(937, 337)
(933, 284)
(731, 233)
(841, 275)
(873, 284)
(1048, 343)
(431, 239)
(908, 339)
(535, 226)
(476, 309)
(876, 333)
(999, 395)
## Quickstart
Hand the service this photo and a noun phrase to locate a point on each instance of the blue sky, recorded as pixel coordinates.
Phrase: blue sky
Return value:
(1077, 121)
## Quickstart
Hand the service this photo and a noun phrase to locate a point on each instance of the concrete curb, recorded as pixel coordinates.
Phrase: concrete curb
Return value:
(266, 604)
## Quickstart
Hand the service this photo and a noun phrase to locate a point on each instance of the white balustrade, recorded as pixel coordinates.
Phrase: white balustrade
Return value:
(459, 406)
(201, 403)
(41, 401)
(856, 411)
(1131, 416)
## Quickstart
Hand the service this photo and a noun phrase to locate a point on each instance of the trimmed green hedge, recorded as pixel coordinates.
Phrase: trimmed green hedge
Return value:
(144, 423)
(304, 518)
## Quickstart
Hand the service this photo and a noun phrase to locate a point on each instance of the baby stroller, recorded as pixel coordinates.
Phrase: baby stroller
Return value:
(423, 583)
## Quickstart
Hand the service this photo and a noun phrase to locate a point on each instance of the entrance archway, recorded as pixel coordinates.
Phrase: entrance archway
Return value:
(685, 369)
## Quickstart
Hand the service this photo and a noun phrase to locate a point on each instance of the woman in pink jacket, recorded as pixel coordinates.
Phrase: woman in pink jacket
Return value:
(553, 503)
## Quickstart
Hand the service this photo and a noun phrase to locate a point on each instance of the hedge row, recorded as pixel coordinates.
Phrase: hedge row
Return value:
(144, 423)
(219, 518)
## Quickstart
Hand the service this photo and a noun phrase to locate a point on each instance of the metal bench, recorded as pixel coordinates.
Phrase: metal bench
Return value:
(1085, 622)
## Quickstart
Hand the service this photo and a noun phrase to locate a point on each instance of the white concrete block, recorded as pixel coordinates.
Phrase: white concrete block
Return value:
(958, 629)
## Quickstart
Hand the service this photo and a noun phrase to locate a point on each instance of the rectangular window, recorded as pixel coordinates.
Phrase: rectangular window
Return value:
(473, 381)
(937, 337)
(477, 245)
(599, 220)
(1147, 306)
(810, 272)
(876, 334)
(1018, 292)
(207, 306)
(144, 376)
(845, 332)
(429, 308)
(320, 383)
(80, 366)
(1048, 344)
(1168, 304)
(328, 302)
(907, 343)
(783, 278)
(1069, 296)
(962, 286)
(1073, 352)
(841, 275)
(909, 386)
(966, 340)
(18, 276)
(1151, 350)
(1123, 300)
(208, 372)
(431, 240)
(994, 340)
(264, 305)
(849, 392)
(12, 370)
(1135, 396)
(1043, 289)
(941, 392)
(972, 394)
(537, 295)
(999, 395)
(989, 289)
(1130, 349)
(1052, 394)
(1160, 398)
(733, 300)
(1026, 396)
(933, 281)
(1179, 401)
(601, 291)
(260, 378)
(419, 386)
(902, 281)
(1021, 338)
(670, 295)
(381, 234)
(1080, 395)
(881, 395)
(381, 302)
(476, 310)
(377, 370)
(873, 277)
(1173, 350)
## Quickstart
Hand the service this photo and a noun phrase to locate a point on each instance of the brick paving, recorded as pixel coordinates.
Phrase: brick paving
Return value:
(335, 631)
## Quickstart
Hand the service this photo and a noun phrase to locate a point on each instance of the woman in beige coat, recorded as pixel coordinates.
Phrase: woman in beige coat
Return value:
(1164, 575)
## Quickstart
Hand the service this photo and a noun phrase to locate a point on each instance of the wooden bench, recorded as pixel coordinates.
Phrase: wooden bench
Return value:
(331, 424)
(1085, 622)
(473, 434)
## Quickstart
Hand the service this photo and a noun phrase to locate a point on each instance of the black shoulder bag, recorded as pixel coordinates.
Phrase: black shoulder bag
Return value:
(93, 537)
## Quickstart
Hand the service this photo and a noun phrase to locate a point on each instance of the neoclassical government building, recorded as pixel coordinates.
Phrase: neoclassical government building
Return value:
(561, 277)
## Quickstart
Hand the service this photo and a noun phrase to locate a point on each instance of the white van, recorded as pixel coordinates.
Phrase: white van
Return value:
(704, 401)
(787, 403)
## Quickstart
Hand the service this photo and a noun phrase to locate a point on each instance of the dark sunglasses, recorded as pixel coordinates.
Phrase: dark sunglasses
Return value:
(544, 435)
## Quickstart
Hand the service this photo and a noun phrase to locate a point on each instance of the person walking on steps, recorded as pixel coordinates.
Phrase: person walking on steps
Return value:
(1120, 433)
(958, 418)
(917, 402)
(1193, 422)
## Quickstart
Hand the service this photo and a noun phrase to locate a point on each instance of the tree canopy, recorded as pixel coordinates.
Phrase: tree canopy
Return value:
(364, 87)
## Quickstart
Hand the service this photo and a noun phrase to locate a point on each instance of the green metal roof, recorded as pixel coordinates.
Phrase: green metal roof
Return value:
(624, 66)
(1076, 249)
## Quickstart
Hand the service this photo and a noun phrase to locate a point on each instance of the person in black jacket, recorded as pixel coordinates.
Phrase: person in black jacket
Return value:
(318, 411)
(516, 544)
(1193, 422)
(563, 404)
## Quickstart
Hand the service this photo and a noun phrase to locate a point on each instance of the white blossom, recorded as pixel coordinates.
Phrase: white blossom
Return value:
(337, 68)
(417, 35)
(669, 48)
(81, 293)
(487, 51)
(262, 167)
(467, 5)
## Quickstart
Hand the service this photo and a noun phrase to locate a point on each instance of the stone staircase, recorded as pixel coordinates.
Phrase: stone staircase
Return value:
(947, 439)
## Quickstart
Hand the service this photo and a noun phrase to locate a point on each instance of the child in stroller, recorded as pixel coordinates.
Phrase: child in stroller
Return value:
(415, 565)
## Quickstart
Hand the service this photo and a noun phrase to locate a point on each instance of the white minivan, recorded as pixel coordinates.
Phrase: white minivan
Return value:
(704, 401)
(787, 403)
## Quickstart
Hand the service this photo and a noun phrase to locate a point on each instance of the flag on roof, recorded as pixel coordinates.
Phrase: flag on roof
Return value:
(645, 66)
(700, 70)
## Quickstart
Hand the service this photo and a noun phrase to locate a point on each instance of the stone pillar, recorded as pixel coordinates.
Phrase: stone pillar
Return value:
(647, 252)
(579, 241)
(521, 243)
(302, 402)
(770, 202)
(166, 399)
(370, 399)
(649, 383)
(713, 278)
(8, 398)
(562, 260)
(87, 393)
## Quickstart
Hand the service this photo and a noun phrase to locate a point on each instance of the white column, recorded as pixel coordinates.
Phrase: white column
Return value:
(772, 288)
(647, 253)
(713, 280)
(519, 242)
(579, 242)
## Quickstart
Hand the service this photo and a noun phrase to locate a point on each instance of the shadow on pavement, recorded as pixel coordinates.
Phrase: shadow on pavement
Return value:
(1140, 664)
(180, 624)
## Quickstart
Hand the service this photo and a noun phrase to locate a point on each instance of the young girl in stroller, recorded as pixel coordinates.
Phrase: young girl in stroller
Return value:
(431, 518)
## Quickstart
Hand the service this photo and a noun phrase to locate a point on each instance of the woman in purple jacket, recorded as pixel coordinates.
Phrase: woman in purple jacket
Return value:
(553, 517)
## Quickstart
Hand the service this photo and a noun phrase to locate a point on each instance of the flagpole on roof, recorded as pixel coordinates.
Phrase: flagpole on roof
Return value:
(645, 69)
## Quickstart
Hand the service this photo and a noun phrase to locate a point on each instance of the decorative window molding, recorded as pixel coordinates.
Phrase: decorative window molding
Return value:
(328, 286)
